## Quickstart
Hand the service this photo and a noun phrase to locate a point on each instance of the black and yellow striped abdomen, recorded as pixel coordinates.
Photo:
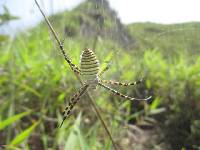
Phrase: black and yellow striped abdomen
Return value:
(89, 65)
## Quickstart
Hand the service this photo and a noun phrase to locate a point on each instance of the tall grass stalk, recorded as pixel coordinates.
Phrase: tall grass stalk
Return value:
(77, 76)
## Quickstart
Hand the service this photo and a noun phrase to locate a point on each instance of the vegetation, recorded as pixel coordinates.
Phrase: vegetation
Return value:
(170, 39)
(36, 83)
(6, 16)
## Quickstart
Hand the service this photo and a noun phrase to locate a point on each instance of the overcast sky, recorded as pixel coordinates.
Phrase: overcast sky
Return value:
(159, 11)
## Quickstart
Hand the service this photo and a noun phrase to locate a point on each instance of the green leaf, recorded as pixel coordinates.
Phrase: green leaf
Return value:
(148, 84)
(25, 134)
(10, 147)
(26, 87)
(107, 61)
(76, 138)
(157, 111)
(61, 97)
(12, 119)
(155, 103)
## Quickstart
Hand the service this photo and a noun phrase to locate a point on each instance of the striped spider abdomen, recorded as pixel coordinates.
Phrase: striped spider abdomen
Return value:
(89, 67)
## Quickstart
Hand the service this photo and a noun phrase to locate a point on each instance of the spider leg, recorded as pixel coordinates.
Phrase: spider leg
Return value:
(122, 95)
(104, 69)
(68, 60)
(73, 102)
(120, 83)
(74, 67)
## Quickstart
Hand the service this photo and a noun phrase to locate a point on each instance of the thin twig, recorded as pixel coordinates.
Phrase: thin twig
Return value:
(77, 76)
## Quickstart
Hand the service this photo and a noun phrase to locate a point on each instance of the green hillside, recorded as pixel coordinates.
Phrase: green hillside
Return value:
(93, 19)
(36, 84)
(170, 39)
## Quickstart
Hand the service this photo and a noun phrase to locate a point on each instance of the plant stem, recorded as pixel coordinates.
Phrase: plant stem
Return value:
(77, 76)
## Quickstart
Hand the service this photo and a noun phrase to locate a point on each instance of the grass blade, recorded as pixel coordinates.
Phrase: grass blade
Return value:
(76, 138)
(25, 134)
(12, 119)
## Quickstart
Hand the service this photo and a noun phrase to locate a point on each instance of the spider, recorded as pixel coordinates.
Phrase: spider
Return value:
(90, 73)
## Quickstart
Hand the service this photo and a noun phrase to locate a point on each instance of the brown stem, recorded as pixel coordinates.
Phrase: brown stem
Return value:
(77, 76)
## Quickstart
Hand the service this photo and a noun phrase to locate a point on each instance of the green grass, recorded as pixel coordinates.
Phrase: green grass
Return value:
(35, 78)
(170, 39)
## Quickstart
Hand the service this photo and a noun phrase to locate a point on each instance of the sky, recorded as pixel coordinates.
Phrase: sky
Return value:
(159, 11)
(129, 11)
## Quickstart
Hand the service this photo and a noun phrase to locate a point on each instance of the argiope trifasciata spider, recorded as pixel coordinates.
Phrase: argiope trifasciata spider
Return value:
(90, 72)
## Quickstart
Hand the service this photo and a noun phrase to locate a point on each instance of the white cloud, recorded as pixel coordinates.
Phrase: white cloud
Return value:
(160, 11)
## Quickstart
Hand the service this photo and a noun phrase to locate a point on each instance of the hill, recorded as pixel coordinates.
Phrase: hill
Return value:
(170, 39)
(96, 21)
(36, 82)
(93, 19)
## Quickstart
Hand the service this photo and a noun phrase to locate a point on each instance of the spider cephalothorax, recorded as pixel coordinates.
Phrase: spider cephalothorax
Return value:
(90, 73)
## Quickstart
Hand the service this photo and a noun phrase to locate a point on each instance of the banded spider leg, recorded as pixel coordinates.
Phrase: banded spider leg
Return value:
(103, 71)
(120, 83)
(73, 102)
(74, 67)
(122, 95)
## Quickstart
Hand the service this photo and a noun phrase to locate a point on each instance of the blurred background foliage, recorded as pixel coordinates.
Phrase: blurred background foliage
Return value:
(36, 84)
